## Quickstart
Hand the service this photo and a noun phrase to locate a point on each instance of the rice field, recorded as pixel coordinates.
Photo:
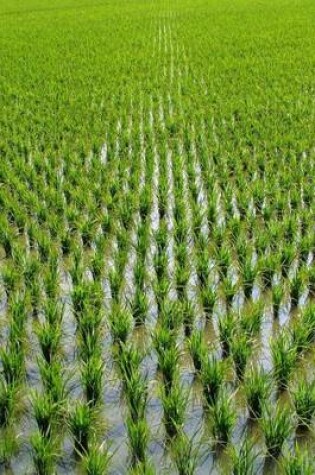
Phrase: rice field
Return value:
(157, 245)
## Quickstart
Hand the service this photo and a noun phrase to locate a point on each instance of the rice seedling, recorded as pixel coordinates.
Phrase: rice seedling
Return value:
(120, 324)
(49, 339)
(251, 319)
(297, 463)
(277, 297)
(223, 418)
(129, 360)
(96, 461)
(44, 454)
(226, 329)
(81, 422)
(138, 436)
(249, 275)
(185, 455)
(276, 426)
(47, 413)
(241, 348)
(304, 402)
(297, 286)
(284, 355)
(136, 393)
(9, 404)
(139, 194)
(13, 367)
(243, 459)
(188, 314)
(9, 446)
(257, 390)
(212, 377)
(92, 379)
(198, 349)
(174, 402)
(168, 365)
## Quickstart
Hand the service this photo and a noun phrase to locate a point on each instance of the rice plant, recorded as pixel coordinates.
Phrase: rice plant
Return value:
(223, 418)
(304, 402)
(276, 426)
(257, 390)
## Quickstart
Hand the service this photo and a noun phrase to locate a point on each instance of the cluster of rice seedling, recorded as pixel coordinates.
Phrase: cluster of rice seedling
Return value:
(157, 271)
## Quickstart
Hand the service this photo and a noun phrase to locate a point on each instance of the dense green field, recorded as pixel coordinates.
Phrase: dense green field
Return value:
(157, 245)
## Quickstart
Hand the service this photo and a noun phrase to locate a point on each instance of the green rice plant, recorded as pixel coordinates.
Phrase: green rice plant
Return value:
(251, 318)
(13, 368)
(87, 233)
(129, 360)
(203, 270)
(185, 455)
(223, 418)
(170, 315)
(35, 298)
(51, 278)
(138, 436)
(140, 307)
(89, 323)
(168, 363)
(305, 248)
(9, 445)
(297, 286)
(7, 238)
(277, 297)
(54, 380)
(297, 462)
(160, 262)
(212, 376)
(97, 266)
(44, 454)
(81, 423)
(304, 402)
(115, 282)
(301, 336)
(311, 280)
(136, 393)
(197, 348)
(44, 247)
(49, 336)
(9, 404)
(249, 273)
(224, 260)
(188, 315)
(120, 323)
(284, 357)
(243, 459)
(163, 339)
(96, 461)
(11, 278)
(53, 312)
(226, 329)
(161, 290)
(208, 297)
(230, 289)
(276, 426)
(241, 348)
(268, 268)
(308, 321)
(92, 379)
(174, 402)
(47, 412)
(257, 387)
(288, 255)
(182, 276)
(66, 243)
